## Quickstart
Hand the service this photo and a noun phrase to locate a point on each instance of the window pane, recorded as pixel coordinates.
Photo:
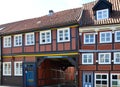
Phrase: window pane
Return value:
(86, 36)
(103, 35)
(89, 60)
(106, 60)
(107, 39)
(99, 15)
(85, 60)
(102, 59)
(114, 83)
(86, 40)
(104, 76)
(91, 40)
(105, 14)
(104, 82)
(98, 82)
(98, 76)
(66, 34)
(114, 76)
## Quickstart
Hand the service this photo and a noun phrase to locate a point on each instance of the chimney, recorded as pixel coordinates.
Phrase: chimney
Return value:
(51, 12)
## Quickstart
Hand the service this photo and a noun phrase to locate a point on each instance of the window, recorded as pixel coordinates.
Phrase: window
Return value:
(63, 35)
(117, 58)
(18, 40)
(29, 38)
(45, 37)
(89, 38)
(6, 68)
(7, 41)
(104, 58)
(102, 14)
(105, 37)
(101, 80)
(117, 36)
(18, 68)
(115, 80)
(87, 58)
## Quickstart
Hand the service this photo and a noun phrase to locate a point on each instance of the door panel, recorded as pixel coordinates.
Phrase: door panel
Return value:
(87, 79)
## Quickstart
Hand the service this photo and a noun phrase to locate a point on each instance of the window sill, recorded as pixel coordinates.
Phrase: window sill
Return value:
(63, 41)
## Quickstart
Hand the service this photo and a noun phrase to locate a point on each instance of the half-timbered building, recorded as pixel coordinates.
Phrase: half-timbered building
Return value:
(78, 46)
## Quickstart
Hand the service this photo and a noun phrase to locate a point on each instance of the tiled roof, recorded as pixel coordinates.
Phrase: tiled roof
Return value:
(64, 18)
(58, 19)
(88, 18)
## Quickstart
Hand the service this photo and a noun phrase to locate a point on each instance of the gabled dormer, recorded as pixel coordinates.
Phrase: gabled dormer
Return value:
(102, 9)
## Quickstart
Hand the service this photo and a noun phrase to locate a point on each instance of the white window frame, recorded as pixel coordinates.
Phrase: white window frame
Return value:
(106, 37)
(102, 14)
(87, 54)
(116, 62)
(17, 70)
(7, 43)
(32, 33)
(63, 30)
(19, 40)
(89, 38)
(115, 80)
(116, 40)
(45, 37)
(104, 58)
(8, 71)
(102, 79)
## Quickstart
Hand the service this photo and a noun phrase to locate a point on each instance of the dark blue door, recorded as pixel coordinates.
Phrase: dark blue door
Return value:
(29, 74)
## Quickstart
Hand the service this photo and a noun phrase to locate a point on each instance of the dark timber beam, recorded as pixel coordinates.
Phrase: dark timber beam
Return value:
(72, 61)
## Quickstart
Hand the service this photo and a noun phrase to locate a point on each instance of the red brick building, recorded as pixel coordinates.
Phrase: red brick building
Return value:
(78, 46)
(99, 50)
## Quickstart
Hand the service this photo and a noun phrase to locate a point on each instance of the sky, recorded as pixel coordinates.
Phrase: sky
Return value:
(16, 10)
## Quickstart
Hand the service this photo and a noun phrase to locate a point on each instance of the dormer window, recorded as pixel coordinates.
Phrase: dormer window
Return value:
(102, 9)
(102, 14)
